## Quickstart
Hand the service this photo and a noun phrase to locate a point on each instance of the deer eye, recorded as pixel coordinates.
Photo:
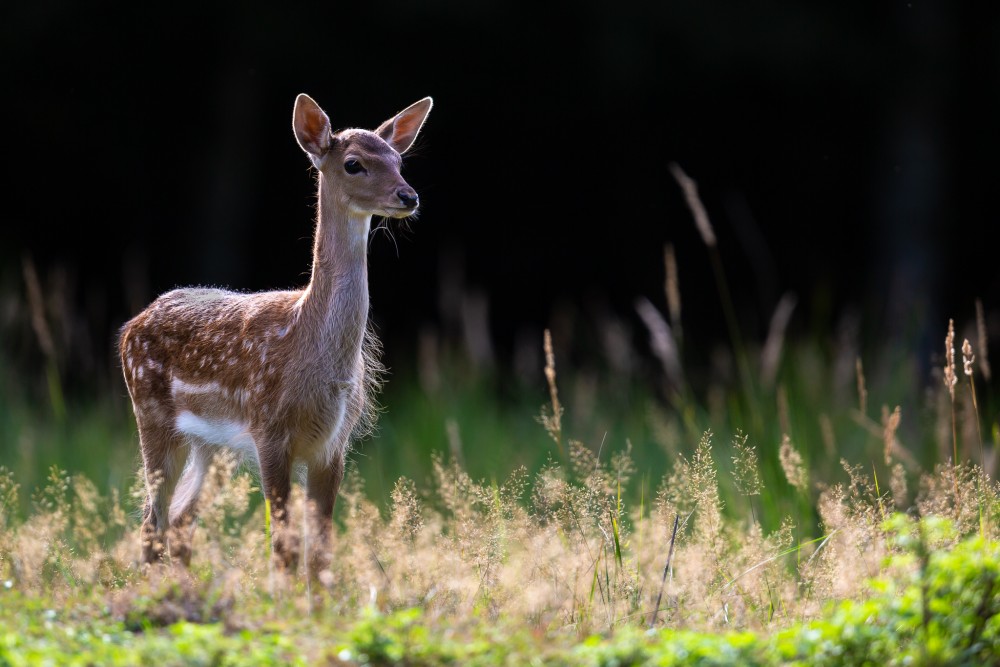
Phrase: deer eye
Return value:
(353, 167)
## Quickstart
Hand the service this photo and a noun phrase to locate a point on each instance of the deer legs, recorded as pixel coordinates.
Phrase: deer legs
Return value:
(173, 483)
(322, 485)
(323, 482)
(163, 454)
(275, 476)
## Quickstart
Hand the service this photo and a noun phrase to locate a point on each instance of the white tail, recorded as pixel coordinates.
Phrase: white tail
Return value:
(281, 377)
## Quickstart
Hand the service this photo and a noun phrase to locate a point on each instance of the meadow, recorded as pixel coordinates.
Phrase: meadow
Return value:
(810, 499)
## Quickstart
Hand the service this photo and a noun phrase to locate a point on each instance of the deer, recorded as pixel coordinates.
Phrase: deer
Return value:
(283, 379)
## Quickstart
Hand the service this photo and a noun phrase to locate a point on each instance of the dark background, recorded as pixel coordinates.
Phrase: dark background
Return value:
(846, 152)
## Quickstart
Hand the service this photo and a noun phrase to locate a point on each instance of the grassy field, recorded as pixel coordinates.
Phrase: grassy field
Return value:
(590, 519)
(817, 500)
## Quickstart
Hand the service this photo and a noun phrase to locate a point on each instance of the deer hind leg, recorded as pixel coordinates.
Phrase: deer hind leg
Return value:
(163, 456)
(322, 485)
(184, 504)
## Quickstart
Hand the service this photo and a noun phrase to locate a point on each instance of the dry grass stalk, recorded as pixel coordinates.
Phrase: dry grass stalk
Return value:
(553, 421)
(983, 339)
(428, 361)
(690, 189)
(950, 379)
(672, 288)
(666, 570)
(661, 341)
(890, 424)
(826, 431)
(36, 304)
(454, 439)
(784, 421)
(898, 486)
(862, 389)
(967, 358)
(771, 353)
(43, 332)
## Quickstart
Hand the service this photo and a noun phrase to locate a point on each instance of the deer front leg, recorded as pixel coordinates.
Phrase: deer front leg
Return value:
(275, 474)
(323, 483)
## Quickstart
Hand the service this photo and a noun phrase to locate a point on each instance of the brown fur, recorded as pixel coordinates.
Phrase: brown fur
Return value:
(285, 376)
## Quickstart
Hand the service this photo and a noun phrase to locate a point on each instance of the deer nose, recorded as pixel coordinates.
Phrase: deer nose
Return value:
(408, 197)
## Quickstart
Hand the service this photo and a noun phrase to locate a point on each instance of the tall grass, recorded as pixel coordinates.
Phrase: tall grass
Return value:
(605, 496)
(766, 535)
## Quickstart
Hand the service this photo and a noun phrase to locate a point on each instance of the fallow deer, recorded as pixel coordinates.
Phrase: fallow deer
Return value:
(282, 377)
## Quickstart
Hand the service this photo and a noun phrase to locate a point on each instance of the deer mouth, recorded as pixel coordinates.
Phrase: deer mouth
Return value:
(397, 211)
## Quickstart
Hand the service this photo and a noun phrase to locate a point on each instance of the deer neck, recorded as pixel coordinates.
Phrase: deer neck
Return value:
(334, 306)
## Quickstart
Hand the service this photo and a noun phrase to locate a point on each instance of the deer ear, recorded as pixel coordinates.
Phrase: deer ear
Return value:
(401, 130)
(311, 126)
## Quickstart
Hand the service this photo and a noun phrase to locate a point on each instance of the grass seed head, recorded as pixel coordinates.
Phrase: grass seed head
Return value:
(950, 379)
(792, 465)
(967, 357)
(746, 469)
(890, 424)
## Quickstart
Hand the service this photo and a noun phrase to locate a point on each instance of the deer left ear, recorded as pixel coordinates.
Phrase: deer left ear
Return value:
(401, 130)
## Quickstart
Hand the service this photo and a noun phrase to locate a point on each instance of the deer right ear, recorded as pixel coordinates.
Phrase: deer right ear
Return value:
(311, 126)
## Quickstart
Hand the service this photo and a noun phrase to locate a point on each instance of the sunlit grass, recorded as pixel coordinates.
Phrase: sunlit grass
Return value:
(469, 511)
(750, 509)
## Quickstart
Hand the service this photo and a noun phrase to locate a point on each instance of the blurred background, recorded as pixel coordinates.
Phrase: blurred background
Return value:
(845, 154)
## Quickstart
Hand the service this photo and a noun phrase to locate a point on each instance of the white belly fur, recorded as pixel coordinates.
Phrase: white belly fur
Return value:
(223, 432)
(235, 434)
(204, 435)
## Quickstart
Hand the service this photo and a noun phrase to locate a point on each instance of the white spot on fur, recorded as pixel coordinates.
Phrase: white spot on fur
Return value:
(178, 386)
(206, 434)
